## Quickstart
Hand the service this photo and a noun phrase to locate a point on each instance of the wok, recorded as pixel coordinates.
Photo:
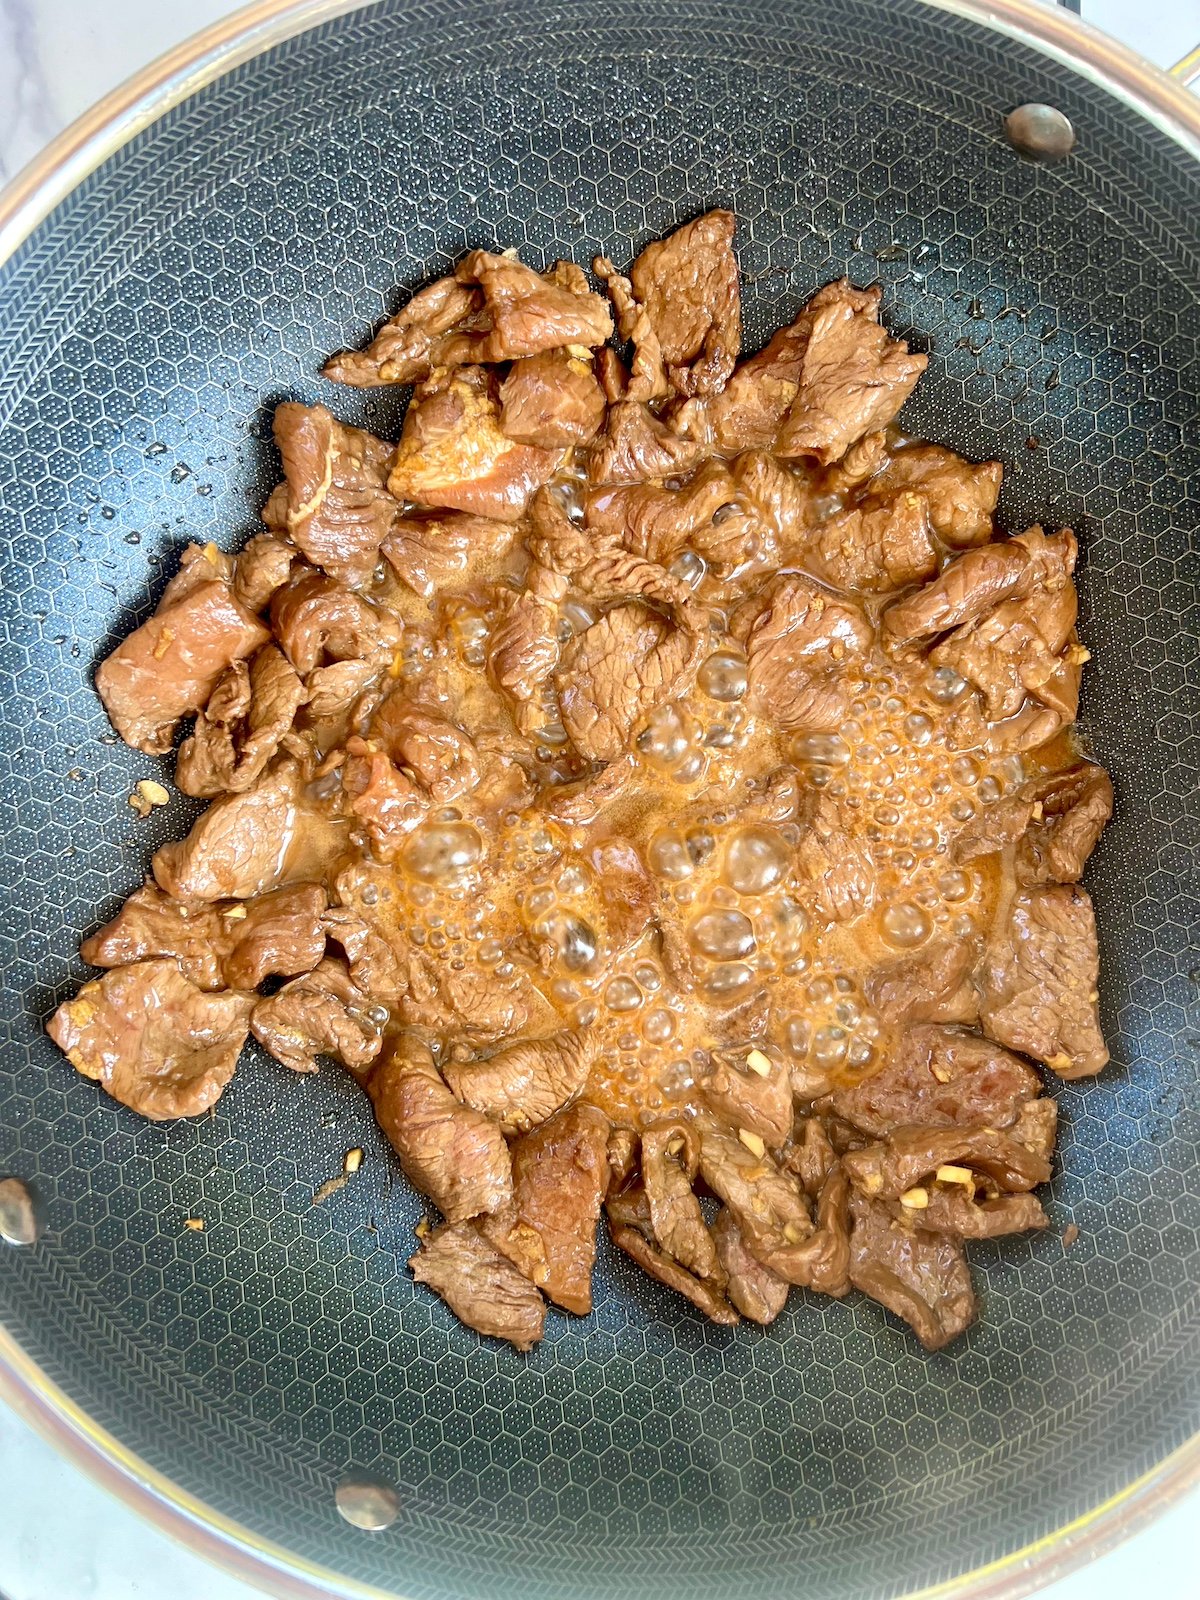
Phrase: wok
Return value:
(181, 263)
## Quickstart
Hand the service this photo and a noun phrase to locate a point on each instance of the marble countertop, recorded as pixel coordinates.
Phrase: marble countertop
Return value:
(61, 1537)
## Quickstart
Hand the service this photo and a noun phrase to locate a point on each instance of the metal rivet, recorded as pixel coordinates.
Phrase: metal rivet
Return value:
(367, 1502)
(1042, 132)
(18, 1217)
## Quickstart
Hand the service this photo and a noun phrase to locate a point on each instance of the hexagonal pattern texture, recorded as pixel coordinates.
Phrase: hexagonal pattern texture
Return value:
(146, 331)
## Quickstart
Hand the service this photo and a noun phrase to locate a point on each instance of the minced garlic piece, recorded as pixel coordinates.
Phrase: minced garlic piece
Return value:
(915, 1199)
(757, 1062)
(353, 1161)
(752, 1142)
(962, 1175)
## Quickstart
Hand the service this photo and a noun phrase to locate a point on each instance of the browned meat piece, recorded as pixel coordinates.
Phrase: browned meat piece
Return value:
(1036, 1126)
(783, 501)
(441, 757)
(338, 505)
(765, 1202)
(560, 1173)
(523, 647)
(670, 1156)
(656, 522)
(171, 664)
(910, 1156)
(581, 802)
(688, 284)
(977, 582)
(248, 713)
(853, 378)
(441, 552)
(263, 567)
(453, 454)
(860, 463)
(384, 799)
(938, 1078)
(1069, 811)
(551, 400)
(632, 1231)
(993, 827)
(929, 985)
(317, 622)
(448, 1151)
(757, 1097)
(623, 1149)
(278, 935)
(922, 1277)
(522, 1084)
(472, 1003)
(199, 564)
(953, 1208)
(613, 674)
(553, 540)
(322, 1013)
(528, 312)
(797, 646)
(875, 549)
(152, 925)
(1018, 650)
(754, 1289)
(410, 345)
(1039, 979)
(647, 377)
(156, 1042)
(838, 868)
(635, 446)
(961, 497)
(239, 846)
(481, 1287)
(811, 1155)
(748, 413)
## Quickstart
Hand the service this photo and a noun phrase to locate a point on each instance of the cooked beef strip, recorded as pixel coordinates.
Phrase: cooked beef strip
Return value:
(522, 1084)
(281, 934)
(960, 496)
(1038, 981)
(753, 1289)
(798, 647)
(448, 1151)
(248, 713)
(930, 985)
(670, 1158)
(852, 377)
(632, 1230)
(411, 344)
(688, 284)
(938, 1077)
(873, 550)
(551, 400)
(156, 1042)
(263, 567)
(750, 1097)
(953, 1208)
(152, 925)
(635, 446)
(1069, 810)
(922, 1277)
(453, 453)
(239, 846)
(322, 1013)
(645, 825)
(171, 664)
(560, 1174)
(338, 506)
(481, 1286)
(433, 552)
(977, 582)
(911, 1155)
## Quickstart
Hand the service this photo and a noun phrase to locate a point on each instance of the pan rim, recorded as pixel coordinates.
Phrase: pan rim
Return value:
(48, 180)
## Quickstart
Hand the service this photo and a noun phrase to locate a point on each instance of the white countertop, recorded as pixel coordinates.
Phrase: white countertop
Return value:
(62, 1538)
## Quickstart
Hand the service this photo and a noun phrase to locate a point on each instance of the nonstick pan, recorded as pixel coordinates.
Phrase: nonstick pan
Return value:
(181, 263)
